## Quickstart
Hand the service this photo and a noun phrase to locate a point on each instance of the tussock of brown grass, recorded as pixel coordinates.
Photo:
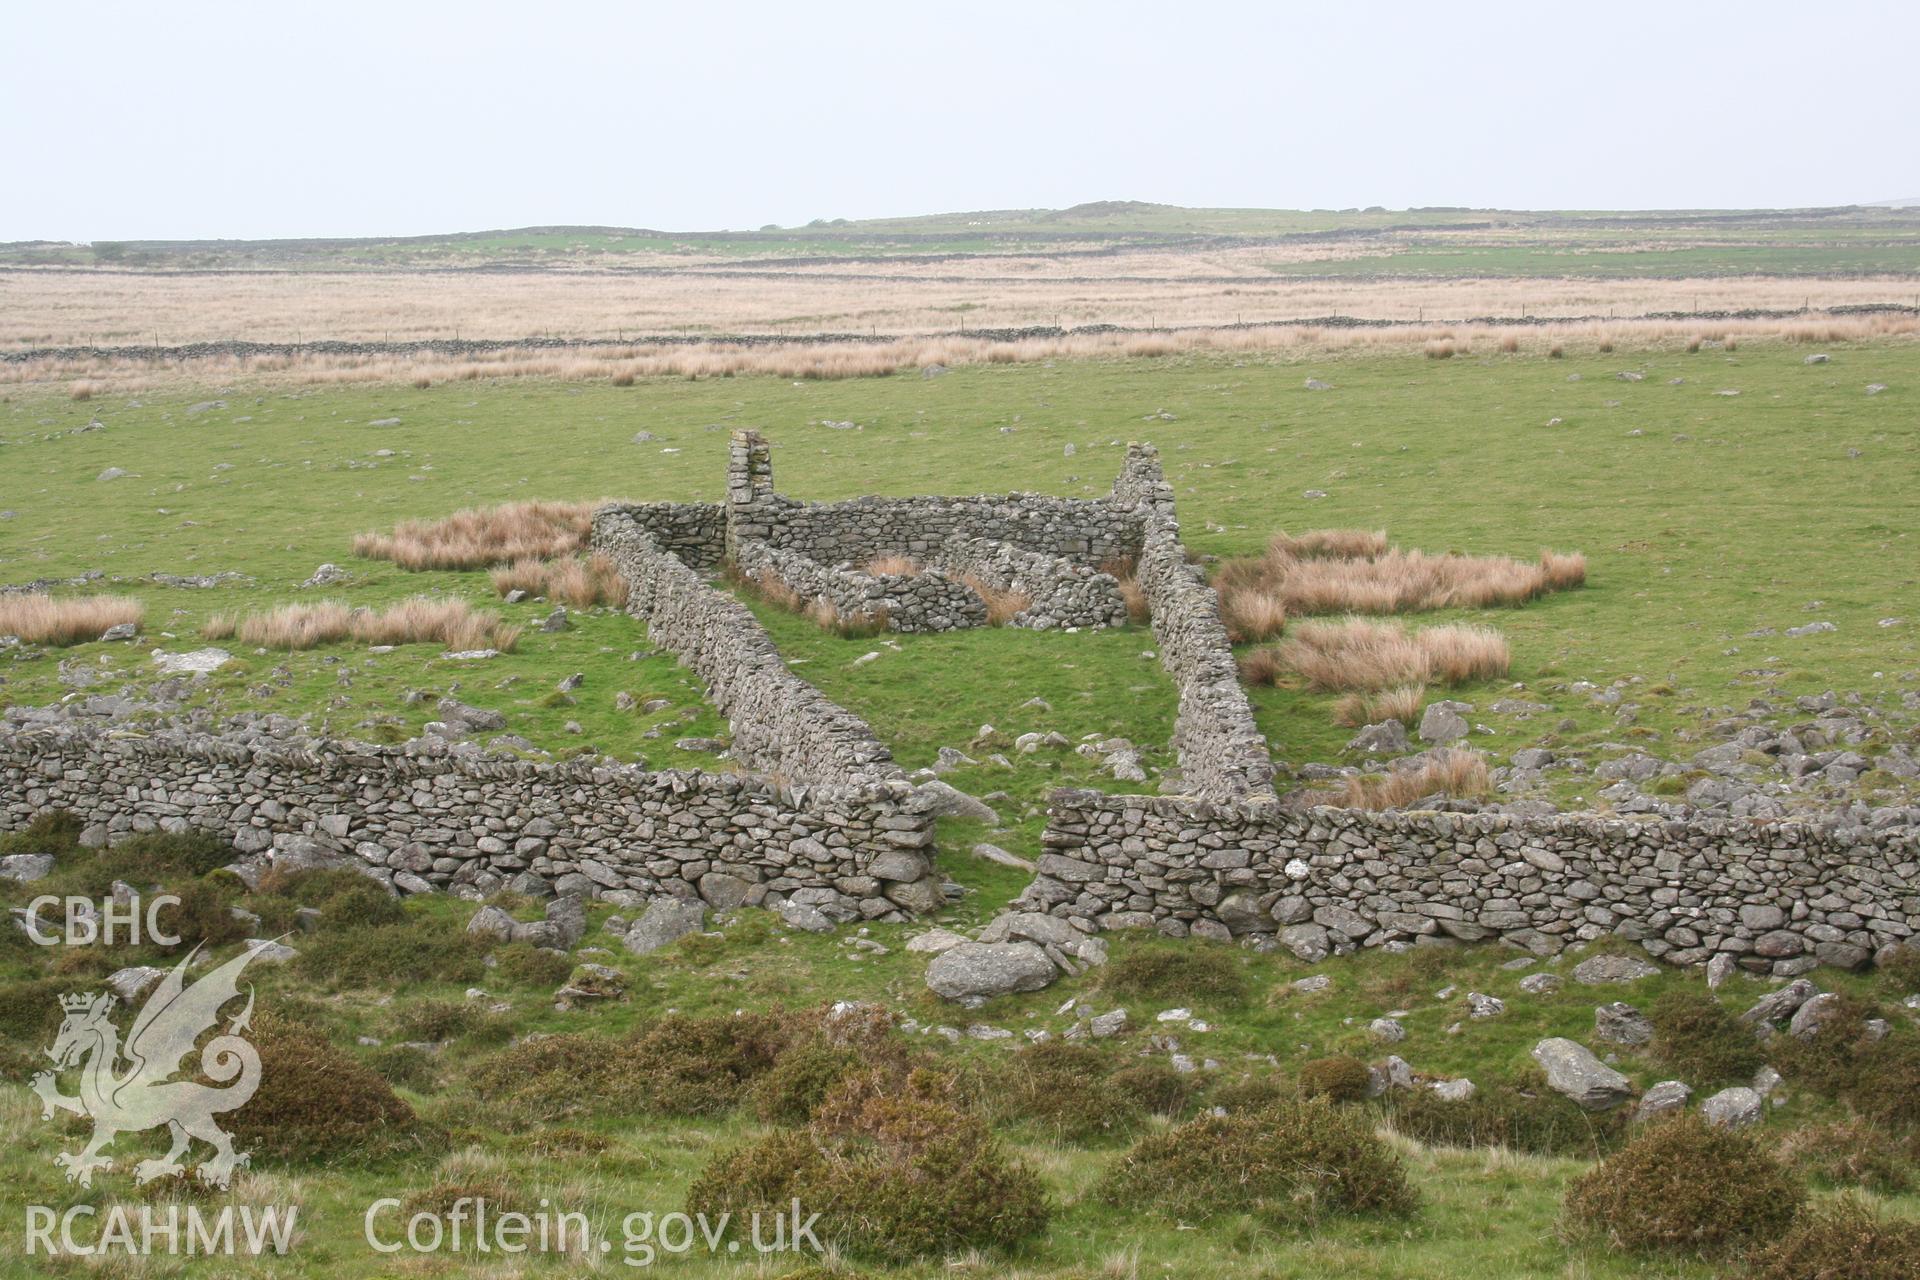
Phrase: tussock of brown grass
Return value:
(1459, 774)
(1125, 574)
(81, 390)
(418, 620)
(848, 626)
(1360, 654)
(1440, 350)
(578, 583)
(479, 538)
(1356, 571)
(1261, 667)
(1403, 703)
(1339, 544)
(1563, 571)
(891, 564)
(41, 619)
(1003, 603)
(1252, 615)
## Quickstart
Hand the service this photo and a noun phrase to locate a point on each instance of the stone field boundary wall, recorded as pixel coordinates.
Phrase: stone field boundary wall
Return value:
(1780, 897)
(443, 820)
(780, 724)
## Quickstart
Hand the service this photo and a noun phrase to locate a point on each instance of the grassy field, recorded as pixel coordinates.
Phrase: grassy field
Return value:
(1705, 516)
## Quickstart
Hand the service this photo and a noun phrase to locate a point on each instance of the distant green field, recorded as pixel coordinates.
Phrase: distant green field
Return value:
(1779, 259)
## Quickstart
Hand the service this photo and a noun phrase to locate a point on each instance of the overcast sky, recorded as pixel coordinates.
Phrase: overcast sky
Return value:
(268, 119)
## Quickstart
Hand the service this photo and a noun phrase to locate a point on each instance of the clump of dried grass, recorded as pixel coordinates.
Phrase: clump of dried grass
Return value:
(41, 619)
(481, 537)
(417, 620)
(848, 626)
(1261, 667)
(1356, 571)
(1403, 703)
(1459, 774)
(1004, 604)
(576, 582)
(1126, 575)
(1252, 615)
(892, 564)
(1363, 655)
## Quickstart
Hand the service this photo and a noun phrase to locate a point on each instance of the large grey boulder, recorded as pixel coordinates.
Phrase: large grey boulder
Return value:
(1596, 970)
(1783, 1003)
(1621, 1023)
(1387, 738)
(568, 918)
(946, 801)
(1443, 722)
(129, 983)
(977, 971)
(667, 920)
(1734, 1108)
(1662, 1099)
(491, 923)
(24, 867)
(1573, 1071)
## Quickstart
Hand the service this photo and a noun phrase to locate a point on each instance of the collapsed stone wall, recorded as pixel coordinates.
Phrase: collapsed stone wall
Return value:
(1064, 594)
(1223, 756)
(436, 821)
(1779, 897)
(780, 724)
(930, 601)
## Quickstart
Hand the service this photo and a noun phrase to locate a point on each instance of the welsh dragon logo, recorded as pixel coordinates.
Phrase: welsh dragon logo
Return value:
(142, 1095)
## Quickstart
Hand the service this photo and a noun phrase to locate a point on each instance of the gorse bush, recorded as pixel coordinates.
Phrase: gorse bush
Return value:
(1683, 1186)
(1155, 1087)
(1841, 1241)
(684, 1065)
(1190, 972)
(315, 1102)
(1503, 1115)
(896, 1174)
(1294, 1162)
(1337, 1079)
(1699, 1040)
(1064, 1088)
(1850, 1153)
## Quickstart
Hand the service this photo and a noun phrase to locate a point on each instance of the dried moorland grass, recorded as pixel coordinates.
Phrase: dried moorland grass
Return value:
(577, 582)
(41, 619)
(1356, 571)
(417, 620)
(1364, 655)
(891, 564)
(1252, 616)
(481, 537)
(1447, 772)
(1126, 575)
(1004, 604)
(1403, 703)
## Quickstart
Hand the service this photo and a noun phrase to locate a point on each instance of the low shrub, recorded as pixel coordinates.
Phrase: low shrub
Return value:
(1531, 1120)
(1701, 1041)
(316, 1102)
(1683, 1186)
(54, 831)
(1187, 973)
(341, 895)
(1834, 1062)
(445, 1020)
(1154, 1087)
(520, 964)
(403, 1066)
(894, 1175)
(1337, 1079)
(1252, 1093)
(30, 1011)
(793, 1088)
(1841, 1241)
(1850, 1153)
(684, 1065)
(428, 950)
(547, 1077)
(1065, 1089)
(1295, 1162)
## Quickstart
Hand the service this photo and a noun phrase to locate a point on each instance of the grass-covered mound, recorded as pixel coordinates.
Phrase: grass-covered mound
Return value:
(897, 1169)
(1185, 972)
(316, 1102)
(1293, 1163)
(1701, 1041)
(1683, 1186)
(1533, 1120)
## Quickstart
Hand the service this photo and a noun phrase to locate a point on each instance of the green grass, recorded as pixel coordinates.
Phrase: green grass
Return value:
(1704, 517)
(1723, 514)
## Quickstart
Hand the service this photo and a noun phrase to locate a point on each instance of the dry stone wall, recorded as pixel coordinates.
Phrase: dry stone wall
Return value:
(931, 601)
(1223, 757)
(439, 820)
(780, 724)
(1064, 593)
(694, 532)
(1779, 897)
